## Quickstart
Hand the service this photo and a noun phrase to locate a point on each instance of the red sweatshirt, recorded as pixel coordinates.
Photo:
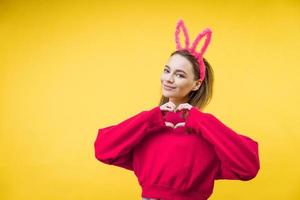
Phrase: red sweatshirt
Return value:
(178, 163)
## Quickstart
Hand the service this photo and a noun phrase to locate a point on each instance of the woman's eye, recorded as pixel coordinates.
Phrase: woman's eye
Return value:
(180, 75)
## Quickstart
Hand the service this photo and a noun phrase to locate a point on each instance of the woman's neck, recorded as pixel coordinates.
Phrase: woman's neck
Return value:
(177, 102)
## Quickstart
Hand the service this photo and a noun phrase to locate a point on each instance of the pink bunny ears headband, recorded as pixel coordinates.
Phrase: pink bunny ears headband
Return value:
(192, 49)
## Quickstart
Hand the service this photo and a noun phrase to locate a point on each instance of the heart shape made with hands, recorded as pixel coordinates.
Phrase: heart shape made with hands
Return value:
(175, 119)
(170, 124)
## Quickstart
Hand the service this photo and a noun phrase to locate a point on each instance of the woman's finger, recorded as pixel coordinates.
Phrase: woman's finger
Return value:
(170, 124)
(179, 124)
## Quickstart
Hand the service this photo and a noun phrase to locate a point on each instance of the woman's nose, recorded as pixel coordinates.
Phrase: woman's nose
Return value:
(169, 78)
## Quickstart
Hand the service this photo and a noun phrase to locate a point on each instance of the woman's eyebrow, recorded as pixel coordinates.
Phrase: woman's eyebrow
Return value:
(176, 69)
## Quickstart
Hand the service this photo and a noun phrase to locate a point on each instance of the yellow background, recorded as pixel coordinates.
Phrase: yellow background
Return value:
(68, 68)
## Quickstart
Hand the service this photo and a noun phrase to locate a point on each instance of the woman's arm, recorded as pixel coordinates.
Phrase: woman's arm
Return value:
(114, 143)
(238, 154)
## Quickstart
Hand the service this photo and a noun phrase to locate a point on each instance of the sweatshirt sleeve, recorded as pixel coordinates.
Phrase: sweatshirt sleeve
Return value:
(238, 154)
(114, 144)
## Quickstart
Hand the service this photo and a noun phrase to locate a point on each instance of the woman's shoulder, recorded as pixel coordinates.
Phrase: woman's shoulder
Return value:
(200, 113)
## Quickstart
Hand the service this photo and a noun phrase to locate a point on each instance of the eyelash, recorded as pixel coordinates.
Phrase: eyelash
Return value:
(182, 76)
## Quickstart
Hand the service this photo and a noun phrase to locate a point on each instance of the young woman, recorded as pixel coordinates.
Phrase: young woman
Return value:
(175, 149)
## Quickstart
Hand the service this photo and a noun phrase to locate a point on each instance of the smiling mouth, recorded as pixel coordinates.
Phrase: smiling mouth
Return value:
(168, 88)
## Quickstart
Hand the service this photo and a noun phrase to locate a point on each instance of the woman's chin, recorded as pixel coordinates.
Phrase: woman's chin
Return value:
(168, 94)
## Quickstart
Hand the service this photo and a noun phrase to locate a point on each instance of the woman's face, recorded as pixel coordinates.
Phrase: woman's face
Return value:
(179, 76)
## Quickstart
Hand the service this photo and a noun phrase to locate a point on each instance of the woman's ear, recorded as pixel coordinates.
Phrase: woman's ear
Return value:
(197, 85)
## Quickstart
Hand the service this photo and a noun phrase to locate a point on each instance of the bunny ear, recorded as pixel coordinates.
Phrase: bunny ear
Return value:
(180, 24)
(206, 32)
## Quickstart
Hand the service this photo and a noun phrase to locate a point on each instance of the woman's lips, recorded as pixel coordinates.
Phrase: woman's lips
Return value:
(168, 87)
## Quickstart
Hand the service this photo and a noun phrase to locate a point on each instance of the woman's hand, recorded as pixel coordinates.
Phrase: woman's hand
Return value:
(179, 124)
(169, 106)
(169, 124)
(184, 106)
